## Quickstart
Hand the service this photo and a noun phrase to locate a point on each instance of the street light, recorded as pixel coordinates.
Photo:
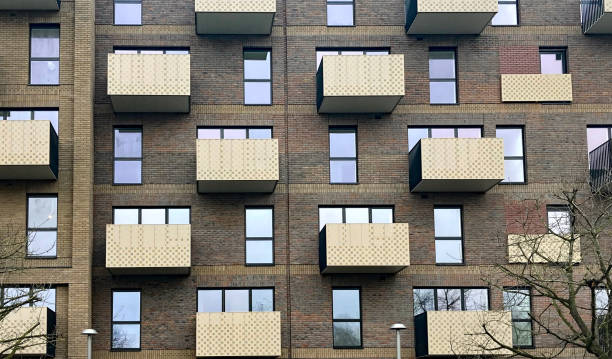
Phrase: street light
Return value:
(398, 327)
(90, 333)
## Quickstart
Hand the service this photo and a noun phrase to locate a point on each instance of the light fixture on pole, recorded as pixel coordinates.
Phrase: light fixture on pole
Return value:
(398, 327)
(90, 333)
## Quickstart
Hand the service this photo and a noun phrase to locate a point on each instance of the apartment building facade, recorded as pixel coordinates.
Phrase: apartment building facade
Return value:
(289, 178)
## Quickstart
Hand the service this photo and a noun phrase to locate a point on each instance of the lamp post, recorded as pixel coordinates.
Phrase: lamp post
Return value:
(90, 333)
(398, 327)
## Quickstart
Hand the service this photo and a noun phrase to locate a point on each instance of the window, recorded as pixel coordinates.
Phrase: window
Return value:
(128, 156)
(553, 61)
(354, 215)
(343, 155)
(236, 300)
(514, 154)
(259, 236)
(346, 319)
(44, 54)
(349, 52)
(597, 136)
(507, 14)
(559, 220)
(234, 133)
(25, 115)
(518, 302)
(151, 215)
(415, 134)
(450, 299)
(34, 296)
(257, 77)
(126, 320)
(442, 76)
(42, 226)
(340, 12)
(128, 12)
(448, 235)
(152, 51)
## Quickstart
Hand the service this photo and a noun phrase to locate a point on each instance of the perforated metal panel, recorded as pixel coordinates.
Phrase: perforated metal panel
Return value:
(449, 17)
(234, 16)
(543, 248)
(537, 88)
(21, 320)
(28, 150)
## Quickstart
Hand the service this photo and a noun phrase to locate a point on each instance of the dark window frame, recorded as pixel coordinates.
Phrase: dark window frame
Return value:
(31, 59)
(28, 228)
(462, 291)
(140, 49)
(223, 289)
(455, 51)
(344, 129)
(523, 158)
(529, 296)
(369, 207)
(557, 51)
(558, 208)
(518, 12)
(113, 321)
(167, 211)
(455, 128)
(462, 238)
(263, 239)
(360, 320)
(4, 114)
(245, 80)
(246, 128)
(339, 50)
(609, 131)
(126, 2)
(128, 159)
(344, 2)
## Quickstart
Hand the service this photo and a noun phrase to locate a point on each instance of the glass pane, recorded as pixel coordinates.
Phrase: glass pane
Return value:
(152, 52)
(125, 216)
(178, 216)
(260, 133)
(513, 141)
(343, 171)
(559, 221)
(16, 296)
(476, 299)
(257, 65)
(551, 63)
(42, 212)
(449, 251)
(48, 116)
(42, 243)
(259, 223)
(357, 215)
(128, 14)
(346, 304)
(518, 302)
(347, 334)
(45, 42)
(597, 136)
(126, 336)
(263, 300)
(441, 64)
(126, 306)
(342, 144)
(329, 215)
(601, 301)
(423, 300)
(237, 300)
(377, 53)
(442, 133)
(320, 55)
(153, 216)
(352, 53)
(19, 115)
(128, 172)
(382, 215)
(514, 171)
(521, 333)
(259, 252)
(209, 133)
(506, 15)
(45, 297)
(126, 51)
(257, 93)
(442, 93)
(44, 73)
(128, 143)
(415, 135)
(449, 299)
(469, 133)
(339, 15)
(234, 134)
(210, 301)
(447, 222)
(177, 52)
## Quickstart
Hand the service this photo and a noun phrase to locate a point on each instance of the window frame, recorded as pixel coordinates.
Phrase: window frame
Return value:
(360, 320)
(130, 159)
(462, 238)
(113, 322)
(28, 228)
(167, 211)
(343, 129)
(31, 59)
(558, 208)
(609, 132)
(446, 80)
(246, 128)
(369, 207)
(342, 2)
(530, 296)
(555, 50)
(518, 12)
(4, 114)
(126, 2)
(140, 49)
(454, 128)
(524, 158)
(245, 80)
(223, 289)
(462, 291)
(339, 50)
(258, 239)
(31, 288)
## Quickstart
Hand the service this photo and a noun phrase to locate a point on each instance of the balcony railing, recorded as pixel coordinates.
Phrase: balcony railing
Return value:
(148, 249)
(28, 150)
(252, 334)
(41, 322)
(596, 16)
(31, 5)
(541, 248)
(425, 17)
(536, 88)
(600, 165)
(364, 248)
(239, 17)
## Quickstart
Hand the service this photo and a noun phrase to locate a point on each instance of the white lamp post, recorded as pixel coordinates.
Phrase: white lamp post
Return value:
(90, 333)
(398, 327)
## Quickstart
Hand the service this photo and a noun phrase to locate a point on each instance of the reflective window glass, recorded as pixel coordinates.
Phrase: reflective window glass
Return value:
(237, 300)
(340, 13)
(507, 14)
(128, 12)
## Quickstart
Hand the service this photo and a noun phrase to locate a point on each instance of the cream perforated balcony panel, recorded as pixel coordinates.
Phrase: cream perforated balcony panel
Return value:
(28, 150)
(449, 17)
(29, 5)
(149, 82)
(456, 164)
(542, 248)
(252, 334)
(237, 165)
(603, 24)
(241, 17)
(461, 333)
(364, 248)
(360, 84)
(157, 249)
(536, 88)
(18, 322)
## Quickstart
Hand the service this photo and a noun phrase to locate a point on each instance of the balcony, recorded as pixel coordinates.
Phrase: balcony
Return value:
(364, 248)
(455, 333)
(360, 84)
(600, 166)
(542, 248)
(536, 88)
(596, 16)
(31, 5)
(28, 150)
(42, 323)
(252, 334)
(241, 166)
(148, 249)
(234, 17)
(149, 83)
(443, 17)
(456, 164)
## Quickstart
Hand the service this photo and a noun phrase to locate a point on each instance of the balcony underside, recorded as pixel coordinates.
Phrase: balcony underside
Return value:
(449, 23)
(144, 103)
(236, 186)
(362, 269)
(603, 25)
(234, 23)
(455, 185)
(358, 104)
(38, 172)
(150, 271)
(49, 5)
